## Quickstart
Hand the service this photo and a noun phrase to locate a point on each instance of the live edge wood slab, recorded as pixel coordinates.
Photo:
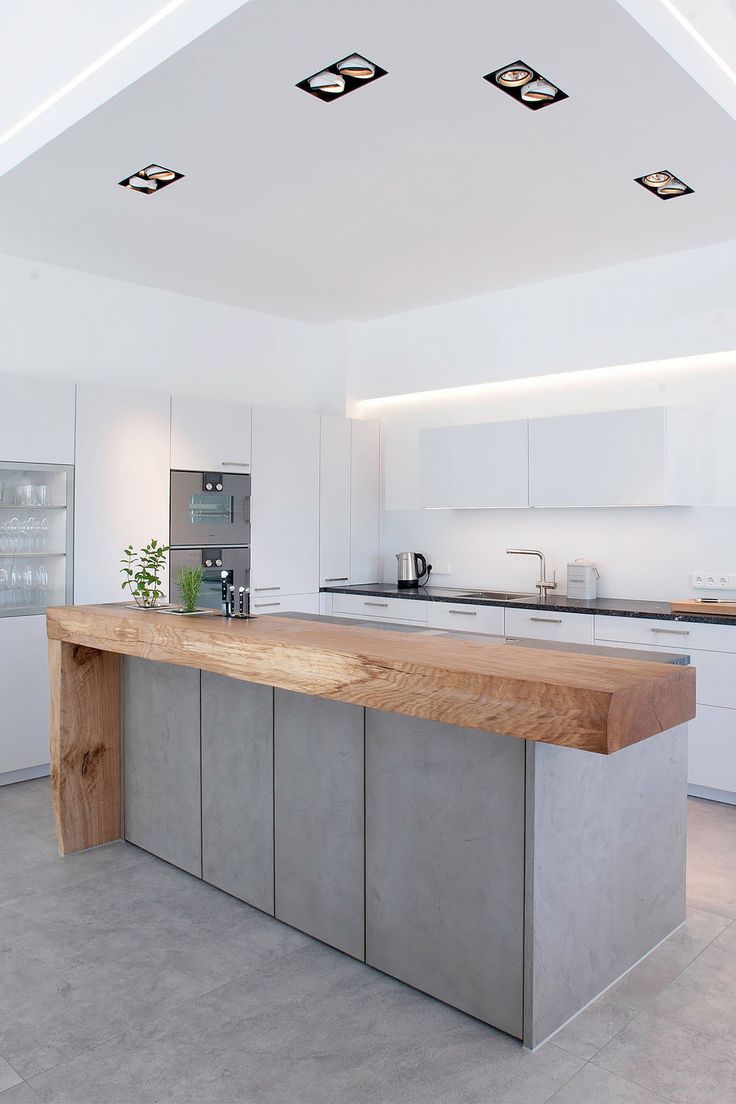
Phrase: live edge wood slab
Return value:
(592, 703)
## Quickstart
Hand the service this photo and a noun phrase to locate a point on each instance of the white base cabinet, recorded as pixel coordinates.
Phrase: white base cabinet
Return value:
(712, 734)
(567, 628)
(24, 696)
(286, 603)
(466, 618)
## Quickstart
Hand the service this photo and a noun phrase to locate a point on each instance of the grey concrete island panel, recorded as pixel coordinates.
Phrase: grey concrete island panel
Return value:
(445, 863)
(319, 818)
(161, 749)
(237, 788)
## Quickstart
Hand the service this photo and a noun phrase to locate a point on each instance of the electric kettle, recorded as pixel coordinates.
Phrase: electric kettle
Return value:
(412, 569)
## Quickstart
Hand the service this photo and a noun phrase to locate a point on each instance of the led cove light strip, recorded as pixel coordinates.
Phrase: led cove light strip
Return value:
(90, 70)
(709, 361)
(697, 36)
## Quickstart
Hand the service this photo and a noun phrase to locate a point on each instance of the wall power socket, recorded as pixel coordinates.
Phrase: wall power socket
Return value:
(440, 567)
(713, 580)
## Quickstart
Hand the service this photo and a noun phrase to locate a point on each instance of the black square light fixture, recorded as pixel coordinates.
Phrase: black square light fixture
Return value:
(526, 85)
(341, 77)
(664, 184)
(151, 179)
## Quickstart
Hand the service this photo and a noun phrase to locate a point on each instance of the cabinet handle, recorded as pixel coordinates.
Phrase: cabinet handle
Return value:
(235, 463)
(547, 620)
(673, 632)
(464, 613)
(258, 589)
(337, 579)
(262, 605)
(382, 604)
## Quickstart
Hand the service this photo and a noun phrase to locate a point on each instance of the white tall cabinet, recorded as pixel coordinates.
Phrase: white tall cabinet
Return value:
(349, 501)
(284, 504)
(36, 427)
(122, 483)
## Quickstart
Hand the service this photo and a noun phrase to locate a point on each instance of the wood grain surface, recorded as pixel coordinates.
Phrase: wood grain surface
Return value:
(85, 745)
(707, 609)
(594, 703)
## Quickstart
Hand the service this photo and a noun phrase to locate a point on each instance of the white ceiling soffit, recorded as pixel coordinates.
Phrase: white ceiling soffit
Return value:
(700, 35)
(60, 59)
(426, 186)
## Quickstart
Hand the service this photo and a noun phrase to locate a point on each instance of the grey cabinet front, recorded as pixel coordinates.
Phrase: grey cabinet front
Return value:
(319, 821)
(445, 863)
(160, 709)
(237, 788)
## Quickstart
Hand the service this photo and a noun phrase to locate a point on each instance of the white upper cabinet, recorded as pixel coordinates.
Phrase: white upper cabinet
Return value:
(615, 458)
(365, 501)
(285, 502)
(122, 484)
(36, 421)
(334, 501)
(478, 466)
(210, 436)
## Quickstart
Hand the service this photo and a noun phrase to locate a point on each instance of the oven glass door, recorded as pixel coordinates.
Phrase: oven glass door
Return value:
(235, 561)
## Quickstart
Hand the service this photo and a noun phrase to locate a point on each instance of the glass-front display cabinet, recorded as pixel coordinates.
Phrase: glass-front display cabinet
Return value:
(36, 536)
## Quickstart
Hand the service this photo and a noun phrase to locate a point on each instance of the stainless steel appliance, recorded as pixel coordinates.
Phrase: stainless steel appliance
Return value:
(210, 527)
(209, 508)
(412, 569)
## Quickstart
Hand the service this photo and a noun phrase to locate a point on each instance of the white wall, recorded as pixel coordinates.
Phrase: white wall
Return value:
(65, 324)
(670, 307)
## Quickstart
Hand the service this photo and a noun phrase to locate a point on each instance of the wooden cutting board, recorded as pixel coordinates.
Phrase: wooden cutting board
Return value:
(715, 609)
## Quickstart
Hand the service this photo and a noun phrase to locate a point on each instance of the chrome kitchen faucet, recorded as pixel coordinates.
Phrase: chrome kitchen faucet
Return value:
(543, 585)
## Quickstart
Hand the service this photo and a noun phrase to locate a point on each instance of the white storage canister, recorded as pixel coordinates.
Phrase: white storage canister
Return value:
(582, 579)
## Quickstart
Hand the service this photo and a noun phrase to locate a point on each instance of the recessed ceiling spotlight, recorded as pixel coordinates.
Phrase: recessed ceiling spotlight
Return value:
(526, 85)
(664, 184)
(151, 179)
(342, 77)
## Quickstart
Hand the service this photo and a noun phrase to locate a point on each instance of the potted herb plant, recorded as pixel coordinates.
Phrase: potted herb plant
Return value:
(189, 582)
(142, 573)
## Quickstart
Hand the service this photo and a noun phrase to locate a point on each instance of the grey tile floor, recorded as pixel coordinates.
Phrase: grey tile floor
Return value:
(124, 981)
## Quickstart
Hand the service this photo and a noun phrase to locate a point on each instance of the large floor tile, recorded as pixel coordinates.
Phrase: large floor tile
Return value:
(8, 1076)
(603, 1019)
(82, 964)
(685, 1065)
(312, 1028)
(593, 1085)
(30, 863)
(20, 1094)
(711, 856)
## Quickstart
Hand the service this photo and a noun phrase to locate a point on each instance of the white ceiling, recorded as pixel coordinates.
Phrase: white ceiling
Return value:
(427, 186)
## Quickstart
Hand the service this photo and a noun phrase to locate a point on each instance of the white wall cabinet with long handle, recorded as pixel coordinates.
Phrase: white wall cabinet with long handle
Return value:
(285, 503)
(207, 435)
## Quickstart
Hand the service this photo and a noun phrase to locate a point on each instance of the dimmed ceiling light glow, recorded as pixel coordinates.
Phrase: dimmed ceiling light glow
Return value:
(664, 184)
(357, 67)
(525, 85)
(151, 179)
(341, 77)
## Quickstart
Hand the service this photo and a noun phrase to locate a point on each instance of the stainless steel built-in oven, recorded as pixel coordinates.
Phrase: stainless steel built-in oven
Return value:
(209, 509)
(210, 528)
(235, 561)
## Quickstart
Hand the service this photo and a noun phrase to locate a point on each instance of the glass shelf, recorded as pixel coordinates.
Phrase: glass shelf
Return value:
(27, 555)
(6, 506)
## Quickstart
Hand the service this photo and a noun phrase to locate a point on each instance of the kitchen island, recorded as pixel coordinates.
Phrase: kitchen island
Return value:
(500, 826)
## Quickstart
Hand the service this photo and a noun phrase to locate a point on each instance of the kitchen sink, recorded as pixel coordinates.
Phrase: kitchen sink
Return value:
(497, 595)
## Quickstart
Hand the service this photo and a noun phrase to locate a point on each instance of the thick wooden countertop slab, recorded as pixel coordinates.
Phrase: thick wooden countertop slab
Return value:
(594, 703)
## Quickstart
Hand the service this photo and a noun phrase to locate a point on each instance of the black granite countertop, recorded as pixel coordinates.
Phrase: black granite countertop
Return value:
(618, 607)
(648, 656)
